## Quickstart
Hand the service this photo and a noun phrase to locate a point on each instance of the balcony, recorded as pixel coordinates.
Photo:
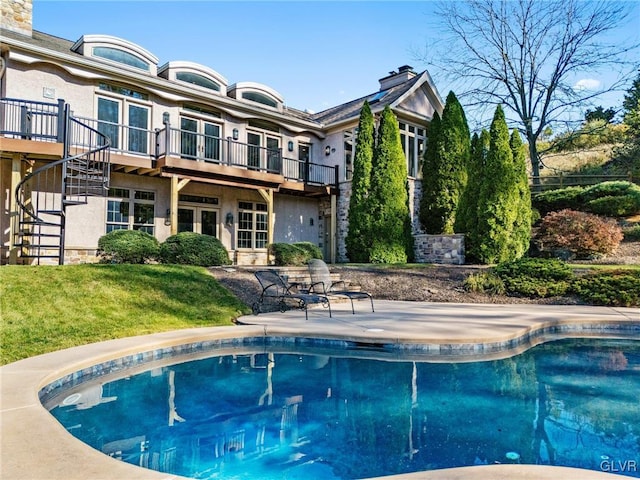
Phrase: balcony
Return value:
(40, 129)
(202, 157)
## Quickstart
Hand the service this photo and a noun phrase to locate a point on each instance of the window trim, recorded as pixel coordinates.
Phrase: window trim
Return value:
(132, 201)
(254, 211)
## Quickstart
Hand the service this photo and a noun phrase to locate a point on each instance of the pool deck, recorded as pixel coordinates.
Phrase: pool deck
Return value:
(34, 446)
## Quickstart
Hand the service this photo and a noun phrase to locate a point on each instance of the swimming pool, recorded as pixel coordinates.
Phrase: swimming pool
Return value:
(325, 413)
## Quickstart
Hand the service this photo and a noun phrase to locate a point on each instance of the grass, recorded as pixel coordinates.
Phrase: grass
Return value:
(48, 308)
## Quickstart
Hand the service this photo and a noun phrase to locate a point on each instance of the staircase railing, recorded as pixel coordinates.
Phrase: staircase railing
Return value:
(43, 195)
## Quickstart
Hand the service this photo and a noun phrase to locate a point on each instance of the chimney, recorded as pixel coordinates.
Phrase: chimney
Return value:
(394, 78)
(17, 16)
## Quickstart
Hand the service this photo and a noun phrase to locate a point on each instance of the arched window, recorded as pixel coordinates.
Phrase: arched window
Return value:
(120, 56)
(259, 98)
(199, 80)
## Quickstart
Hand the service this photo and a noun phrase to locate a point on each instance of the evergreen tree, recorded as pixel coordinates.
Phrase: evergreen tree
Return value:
(630, 150)
(359, 236)
(521, 235)
(449, 174)
(497, 199)
(467, 216)
(387, 201)
(430, 179)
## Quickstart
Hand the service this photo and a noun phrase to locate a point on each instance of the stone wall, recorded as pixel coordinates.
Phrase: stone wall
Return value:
(442, 249)
(17, 16)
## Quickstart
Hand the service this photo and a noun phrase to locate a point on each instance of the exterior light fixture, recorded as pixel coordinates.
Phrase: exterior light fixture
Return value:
(167, 217)
(165, 118)
(311, 221)
(235, 134)
(290, 146)
(229, 219)
(327, 150)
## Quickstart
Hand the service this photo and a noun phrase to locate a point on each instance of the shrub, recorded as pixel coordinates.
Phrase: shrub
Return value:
(619, 199)
(190, 248)
(619, 288)
(312, 249)
(631, 234)
(559, 199)
(583, 234)
(484, 282)
(535, 277)
(294, 253)
(383, 253)
(127, 246)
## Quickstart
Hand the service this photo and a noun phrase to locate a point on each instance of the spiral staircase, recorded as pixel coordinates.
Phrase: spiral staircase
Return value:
(43, 196)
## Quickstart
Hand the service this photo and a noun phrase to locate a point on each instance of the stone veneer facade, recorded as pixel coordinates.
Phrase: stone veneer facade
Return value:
(443, 249)
(17, 16)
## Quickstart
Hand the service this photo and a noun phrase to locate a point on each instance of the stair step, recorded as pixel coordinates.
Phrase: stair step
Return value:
(51, 212)
(37, 246)
(41, 235)
(41, 224)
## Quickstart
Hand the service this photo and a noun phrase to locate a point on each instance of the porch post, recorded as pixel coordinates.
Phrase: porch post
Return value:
(14, 224)
(267, 195)
(333, 228)
(176, 186)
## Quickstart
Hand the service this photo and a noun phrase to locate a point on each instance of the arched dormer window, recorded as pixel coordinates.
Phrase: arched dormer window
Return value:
(257, 93)
(117, 51)
(194, 74)
(199, 80)
(259, 98)
(120, 56)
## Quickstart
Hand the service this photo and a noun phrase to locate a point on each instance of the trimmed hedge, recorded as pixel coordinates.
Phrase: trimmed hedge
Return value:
(613, 199)
(290, 254)
(190, 248)
(620, 288)
(127, 246)
(535, 277)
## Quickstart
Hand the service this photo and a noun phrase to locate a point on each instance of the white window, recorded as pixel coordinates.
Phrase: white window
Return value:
(130, 210)
(200, 139)
(349, 142)
(413, 140)
(252, 225)
(124, 117)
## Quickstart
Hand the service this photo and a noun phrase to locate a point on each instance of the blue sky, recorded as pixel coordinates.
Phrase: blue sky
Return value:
(315, 54)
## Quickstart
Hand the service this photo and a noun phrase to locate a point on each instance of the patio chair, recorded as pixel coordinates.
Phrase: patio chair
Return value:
(321, 283)
(275, 288)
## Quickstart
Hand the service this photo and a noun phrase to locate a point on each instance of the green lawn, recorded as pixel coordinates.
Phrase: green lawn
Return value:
(48, 308)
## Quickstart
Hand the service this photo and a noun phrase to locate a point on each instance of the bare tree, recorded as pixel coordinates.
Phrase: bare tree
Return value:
(525, 55)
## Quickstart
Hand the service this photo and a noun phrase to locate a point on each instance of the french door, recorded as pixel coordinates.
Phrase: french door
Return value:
(261, 158)
(198, 219)
(199, 140)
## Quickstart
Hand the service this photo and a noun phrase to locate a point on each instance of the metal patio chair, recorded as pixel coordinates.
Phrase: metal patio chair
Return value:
(277, 290)
(321, 283)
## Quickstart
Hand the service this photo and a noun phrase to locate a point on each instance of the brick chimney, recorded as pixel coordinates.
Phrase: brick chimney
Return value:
(17, 16)
(394, 78)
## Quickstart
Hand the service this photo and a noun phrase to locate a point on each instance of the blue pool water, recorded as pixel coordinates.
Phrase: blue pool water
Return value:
(270, 415)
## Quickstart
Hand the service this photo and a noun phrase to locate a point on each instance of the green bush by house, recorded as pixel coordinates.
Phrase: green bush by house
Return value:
(291, 254)
(190, 248)
(127, 246)
(535, 277)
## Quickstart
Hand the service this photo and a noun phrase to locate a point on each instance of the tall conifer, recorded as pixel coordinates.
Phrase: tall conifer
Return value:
(359, 237)
(521, 235)
(497, 200)
(430, 178)
(448, 168)
(387, 202)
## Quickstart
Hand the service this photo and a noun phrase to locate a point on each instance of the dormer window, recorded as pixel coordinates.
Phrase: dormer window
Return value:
(199, 80)
(195, 75)
(120, 56)
(259, 98)
(257, 93)
(117, 51)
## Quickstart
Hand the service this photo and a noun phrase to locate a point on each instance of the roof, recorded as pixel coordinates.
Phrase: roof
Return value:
(378, 100)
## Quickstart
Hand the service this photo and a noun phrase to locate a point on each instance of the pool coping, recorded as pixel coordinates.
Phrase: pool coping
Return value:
(32, 441)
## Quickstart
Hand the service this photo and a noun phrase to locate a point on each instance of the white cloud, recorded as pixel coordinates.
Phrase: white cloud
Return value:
(587, 84)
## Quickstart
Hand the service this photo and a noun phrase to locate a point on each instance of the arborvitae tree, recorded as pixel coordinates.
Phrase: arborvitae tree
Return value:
(629, 152)
(359, 236)
(450, 168)
(521, 235)
(497, 199)
(387, 202)
(467, 216)
(430, 178)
